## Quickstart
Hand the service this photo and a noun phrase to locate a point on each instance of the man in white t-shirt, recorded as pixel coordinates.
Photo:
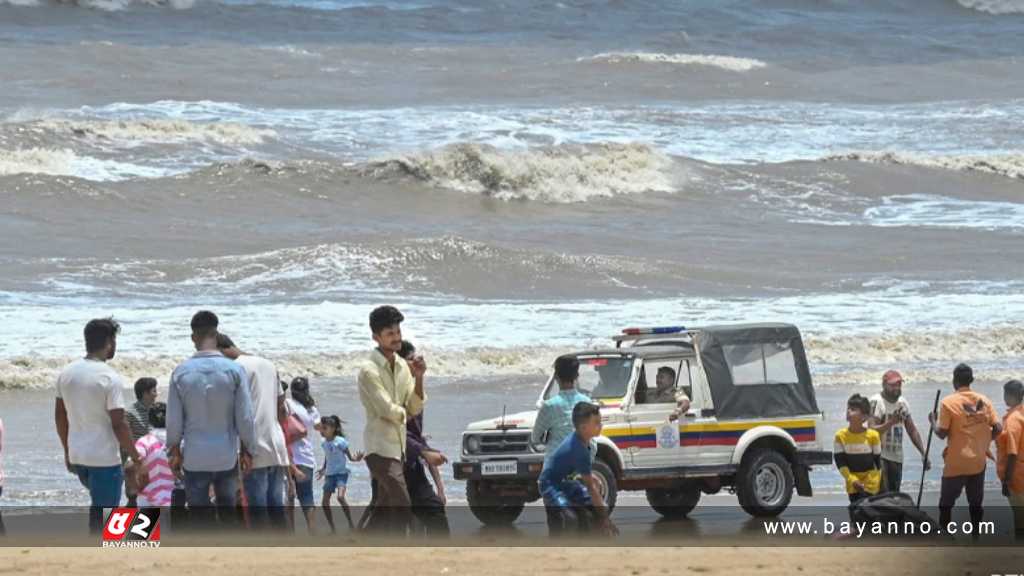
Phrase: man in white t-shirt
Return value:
(89, 415)
(265, 482)
(890, 415)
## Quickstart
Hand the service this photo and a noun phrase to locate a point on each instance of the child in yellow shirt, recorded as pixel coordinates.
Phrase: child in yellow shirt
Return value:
(858, 451)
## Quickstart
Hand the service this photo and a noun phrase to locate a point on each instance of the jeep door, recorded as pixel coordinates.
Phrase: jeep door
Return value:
(654, 441)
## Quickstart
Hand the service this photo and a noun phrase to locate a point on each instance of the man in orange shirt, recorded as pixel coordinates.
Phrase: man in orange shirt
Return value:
(968, 423)
(1009, 466)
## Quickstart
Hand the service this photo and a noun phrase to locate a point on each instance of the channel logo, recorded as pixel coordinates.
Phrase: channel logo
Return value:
(132, 528)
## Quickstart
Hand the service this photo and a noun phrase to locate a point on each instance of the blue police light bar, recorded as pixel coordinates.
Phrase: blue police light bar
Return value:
(655, 330)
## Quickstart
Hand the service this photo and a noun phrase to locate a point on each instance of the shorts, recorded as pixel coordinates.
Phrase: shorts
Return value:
(334, 481)
(304, 489)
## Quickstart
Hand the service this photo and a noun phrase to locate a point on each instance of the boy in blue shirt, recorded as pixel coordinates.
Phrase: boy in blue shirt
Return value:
(570, 492)
(335, 468)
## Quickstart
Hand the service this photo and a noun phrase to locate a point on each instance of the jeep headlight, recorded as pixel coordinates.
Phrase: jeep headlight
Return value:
(538, 447)
(472, 444)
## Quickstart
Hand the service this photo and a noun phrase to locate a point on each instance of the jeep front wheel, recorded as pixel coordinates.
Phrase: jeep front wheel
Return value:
(491, 509)
(605, 477)
(674, 503)
(764, 484)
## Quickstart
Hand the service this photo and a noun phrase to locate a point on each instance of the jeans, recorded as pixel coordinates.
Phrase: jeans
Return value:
(264, 489)
(197, 494)
(104, 484)
(892, 475)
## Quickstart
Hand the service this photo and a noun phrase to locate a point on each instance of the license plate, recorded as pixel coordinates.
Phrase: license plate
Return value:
(499, 468)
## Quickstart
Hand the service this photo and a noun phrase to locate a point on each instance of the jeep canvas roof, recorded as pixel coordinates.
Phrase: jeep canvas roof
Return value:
(757, 371)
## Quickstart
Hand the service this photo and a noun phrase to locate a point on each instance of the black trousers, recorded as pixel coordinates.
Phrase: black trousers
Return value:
(952, 487)
(427, 507)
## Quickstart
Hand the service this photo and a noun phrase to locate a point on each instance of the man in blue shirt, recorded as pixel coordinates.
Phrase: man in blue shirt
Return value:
(570, 492)
(209, 409)
(555, 417)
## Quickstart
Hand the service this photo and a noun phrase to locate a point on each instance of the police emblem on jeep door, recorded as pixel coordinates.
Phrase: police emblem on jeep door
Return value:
(668, 436)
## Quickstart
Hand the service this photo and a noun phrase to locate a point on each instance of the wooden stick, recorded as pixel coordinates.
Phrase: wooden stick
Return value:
(928, 447)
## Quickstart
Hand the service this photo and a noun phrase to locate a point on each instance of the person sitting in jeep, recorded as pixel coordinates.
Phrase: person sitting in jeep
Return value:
(666, 393)
(554, 420)
(570, 492)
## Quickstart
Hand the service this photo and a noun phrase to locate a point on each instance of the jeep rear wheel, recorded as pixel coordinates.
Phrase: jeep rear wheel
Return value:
(764, 484)
(489, 508)
(609, 488)
(674, 503)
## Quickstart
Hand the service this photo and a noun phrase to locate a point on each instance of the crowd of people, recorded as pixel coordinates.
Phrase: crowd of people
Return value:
(228, 435)
(869, 451)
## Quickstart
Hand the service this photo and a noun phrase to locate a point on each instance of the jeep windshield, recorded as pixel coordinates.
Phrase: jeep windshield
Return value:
(603, 378)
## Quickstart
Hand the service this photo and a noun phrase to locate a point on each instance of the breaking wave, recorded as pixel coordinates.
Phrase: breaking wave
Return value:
(64, 162)
(996, 7)
(835, 360)
(730, 63)
(429, 265)
(1008, 165)
(561, 174)
(157, 131)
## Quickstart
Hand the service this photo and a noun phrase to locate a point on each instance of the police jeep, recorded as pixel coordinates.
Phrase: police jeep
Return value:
(753, 426)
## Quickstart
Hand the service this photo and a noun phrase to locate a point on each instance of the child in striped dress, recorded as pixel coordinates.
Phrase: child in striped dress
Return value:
(155, 479)
(858, 451)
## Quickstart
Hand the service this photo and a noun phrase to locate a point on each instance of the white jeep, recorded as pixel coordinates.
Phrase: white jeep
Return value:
(753, 424)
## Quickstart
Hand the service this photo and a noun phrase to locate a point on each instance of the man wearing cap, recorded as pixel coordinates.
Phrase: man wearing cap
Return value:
(968, 422)
(890, 416)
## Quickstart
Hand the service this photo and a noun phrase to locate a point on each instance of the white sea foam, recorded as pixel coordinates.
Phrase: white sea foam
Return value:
(293, 51)
(570, 173)
(847, 333)
(995, 6)
(730, 63)
(118, 5)
(835, 360)
(926, 210)
(157, 131)
(1010, 165)
(64, 162)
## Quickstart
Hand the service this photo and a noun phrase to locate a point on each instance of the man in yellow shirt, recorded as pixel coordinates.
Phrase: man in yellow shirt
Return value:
(391, 392)
(858, 451)
(1009, 466)
(968, 423)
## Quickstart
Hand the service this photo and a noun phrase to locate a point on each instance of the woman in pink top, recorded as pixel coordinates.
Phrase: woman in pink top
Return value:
(155, 479)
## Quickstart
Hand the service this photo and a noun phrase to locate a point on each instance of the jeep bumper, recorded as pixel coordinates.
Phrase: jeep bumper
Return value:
(526, 468)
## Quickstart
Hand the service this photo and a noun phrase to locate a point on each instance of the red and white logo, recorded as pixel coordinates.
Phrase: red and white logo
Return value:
(132, 528)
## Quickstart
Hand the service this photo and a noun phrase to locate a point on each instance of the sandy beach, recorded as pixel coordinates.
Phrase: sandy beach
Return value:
(597, 561)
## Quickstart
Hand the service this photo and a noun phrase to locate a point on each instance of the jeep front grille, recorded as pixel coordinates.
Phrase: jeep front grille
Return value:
(508, 443)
